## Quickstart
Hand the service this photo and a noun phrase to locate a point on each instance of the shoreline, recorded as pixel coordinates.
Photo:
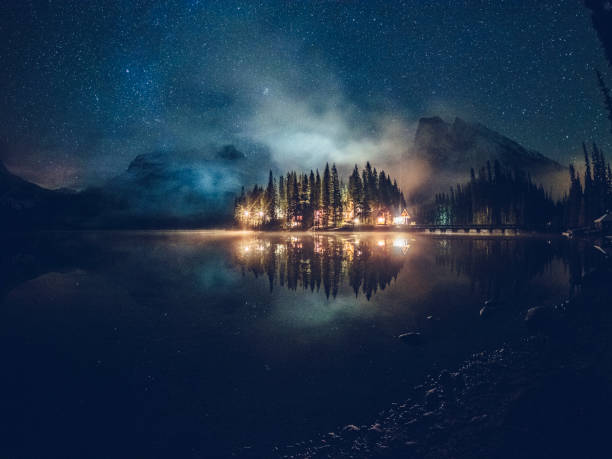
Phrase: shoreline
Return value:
(237, 231)
(519, 400)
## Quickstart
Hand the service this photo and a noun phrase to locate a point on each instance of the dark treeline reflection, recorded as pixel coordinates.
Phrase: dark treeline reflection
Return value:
(310, 262)
(495, 267)
(498, 266)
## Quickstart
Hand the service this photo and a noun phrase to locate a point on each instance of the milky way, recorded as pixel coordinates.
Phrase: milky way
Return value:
(86, 86)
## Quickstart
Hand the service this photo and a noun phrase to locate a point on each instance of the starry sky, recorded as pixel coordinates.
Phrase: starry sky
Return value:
(87, 86)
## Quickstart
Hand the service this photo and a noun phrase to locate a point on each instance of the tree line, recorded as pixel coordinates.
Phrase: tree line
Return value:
(497, 195)
(301, 200)
(590, 197)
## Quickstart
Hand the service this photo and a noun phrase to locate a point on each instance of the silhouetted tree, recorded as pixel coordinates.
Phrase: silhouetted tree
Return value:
(326, 196)
(271, 199)
(606, 95)
(336, 198)
(601, 16)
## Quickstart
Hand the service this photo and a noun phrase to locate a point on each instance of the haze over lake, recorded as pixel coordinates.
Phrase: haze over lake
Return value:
(199, 343)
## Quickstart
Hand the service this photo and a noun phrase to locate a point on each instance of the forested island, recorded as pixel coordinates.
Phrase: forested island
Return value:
(304, 201)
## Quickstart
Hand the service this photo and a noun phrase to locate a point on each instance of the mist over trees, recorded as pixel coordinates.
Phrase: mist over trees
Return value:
(495, 195)
(301, 200)
(498, 196)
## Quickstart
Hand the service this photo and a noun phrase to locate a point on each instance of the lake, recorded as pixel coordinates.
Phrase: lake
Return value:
(210, 343)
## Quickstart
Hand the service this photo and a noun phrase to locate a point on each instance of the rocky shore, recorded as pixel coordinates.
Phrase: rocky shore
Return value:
(547, 395)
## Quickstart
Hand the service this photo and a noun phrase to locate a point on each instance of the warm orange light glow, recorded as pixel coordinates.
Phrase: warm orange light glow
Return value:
(380, 243)
(356, 221)
(246, 213)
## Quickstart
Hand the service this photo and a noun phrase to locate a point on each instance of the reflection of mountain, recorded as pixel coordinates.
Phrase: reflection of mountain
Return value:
(311, 261)
(23, 257)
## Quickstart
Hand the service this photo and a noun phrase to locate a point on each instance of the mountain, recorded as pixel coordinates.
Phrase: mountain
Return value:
(162, 189)
(457, 147)
(158, 190)
(27, 205)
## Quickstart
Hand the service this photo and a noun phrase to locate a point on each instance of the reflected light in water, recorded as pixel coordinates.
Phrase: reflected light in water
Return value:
(312, 262)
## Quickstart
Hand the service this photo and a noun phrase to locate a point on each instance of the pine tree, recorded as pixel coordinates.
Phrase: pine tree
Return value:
(271, 199)
(587, 206)
(606, 95)
(574, 200)
(326, 196)
(366, 211)
(336, 197)
(355, 191)
(282, 198)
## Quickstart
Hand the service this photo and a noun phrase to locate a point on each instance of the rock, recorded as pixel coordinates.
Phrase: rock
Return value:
(480, 418)
(376, 428)
(413, 338)
(374, 432)
(445, 379)
(351, 428)
(458, 380)
(489, 307)
(432, 398)
(539, 318)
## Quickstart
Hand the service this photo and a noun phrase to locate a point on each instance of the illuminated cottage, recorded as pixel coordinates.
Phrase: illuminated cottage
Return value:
(382, 218)
(403, 219)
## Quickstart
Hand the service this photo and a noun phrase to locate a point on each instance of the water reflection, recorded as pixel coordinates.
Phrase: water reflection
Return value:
(309, 262)
(173, 331)
(369, 263)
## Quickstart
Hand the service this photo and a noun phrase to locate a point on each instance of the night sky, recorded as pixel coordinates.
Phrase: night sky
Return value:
(86, 86)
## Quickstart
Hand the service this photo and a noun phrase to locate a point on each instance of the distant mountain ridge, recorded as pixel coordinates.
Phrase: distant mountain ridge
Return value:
(158, 190)
(456, 147)
(189, 189)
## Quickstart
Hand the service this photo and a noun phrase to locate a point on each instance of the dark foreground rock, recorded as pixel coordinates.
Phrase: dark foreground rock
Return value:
(548, 395)
(412, 338)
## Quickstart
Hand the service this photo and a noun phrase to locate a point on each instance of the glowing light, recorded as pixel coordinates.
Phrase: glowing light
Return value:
(380, 243)
(261, 214)
(381, 220)
(246, 213)
(356, 221)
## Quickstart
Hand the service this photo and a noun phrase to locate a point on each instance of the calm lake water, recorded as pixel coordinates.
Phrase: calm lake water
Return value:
(198, 344)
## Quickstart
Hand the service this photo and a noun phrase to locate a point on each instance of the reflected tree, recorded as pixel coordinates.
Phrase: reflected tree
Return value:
(308, 262)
